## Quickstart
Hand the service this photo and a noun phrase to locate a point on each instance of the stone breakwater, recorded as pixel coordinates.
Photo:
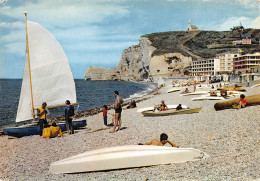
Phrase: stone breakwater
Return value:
(230, 137)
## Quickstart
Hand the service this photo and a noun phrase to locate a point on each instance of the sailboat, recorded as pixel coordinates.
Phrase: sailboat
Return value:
(47, 78)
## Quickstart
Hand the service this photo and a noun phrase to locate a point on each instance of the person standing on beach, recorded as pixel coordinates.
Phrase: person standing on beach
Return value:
(194, 85)
(105, 115)
(69, 113)
(118, 110)
(41, 113)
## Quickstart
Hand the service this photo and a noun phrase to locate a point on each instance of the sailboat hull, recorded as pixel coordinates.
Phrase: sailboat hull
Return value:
(35, 130)
(128, 156)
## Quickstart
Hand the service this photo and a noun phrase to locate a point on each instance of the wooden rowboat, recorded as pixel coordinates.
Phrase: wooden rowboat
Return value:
(127, 156)
(172, 112)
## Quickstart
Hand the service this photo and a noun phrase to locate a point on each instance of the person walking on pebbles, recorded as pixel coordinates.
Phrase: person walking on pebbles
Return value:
(118, 110)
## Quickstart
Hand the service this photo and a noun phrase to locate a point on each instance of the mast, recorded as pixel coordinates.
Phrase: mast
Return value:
(27, 47)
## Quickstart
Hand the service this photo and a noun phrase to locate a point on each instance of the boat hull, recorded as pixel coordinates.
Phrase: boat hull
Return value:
(171, 112)
(35, 130)
(127, 156)
(207, 98)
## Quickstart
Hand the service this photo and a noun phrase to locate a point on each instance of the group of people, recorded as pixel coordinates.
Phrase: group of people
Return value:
(116, 121)
(47, 131)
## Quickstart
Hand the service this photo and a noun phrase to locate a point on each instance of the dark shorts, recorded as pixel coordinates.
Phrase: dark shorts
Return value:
(118, 110)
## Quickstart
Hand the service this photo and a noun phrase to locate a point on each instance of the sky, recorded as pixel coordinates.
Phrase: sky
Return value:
(95, 32)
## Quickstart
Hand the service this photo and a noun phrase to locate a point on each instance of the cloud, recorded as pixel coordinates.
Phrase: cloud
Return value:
(235, 21)
(74, 12)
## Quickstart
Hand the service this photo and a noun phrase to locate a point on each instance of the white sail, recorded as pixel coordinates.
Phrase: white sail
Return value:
(52, 79)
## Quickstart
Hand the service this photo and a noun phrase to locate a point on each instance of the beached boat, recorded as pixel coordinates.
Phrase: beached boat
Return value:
(127, 156)
(252, 100)
(152, 108)
(232, 89)
(172, 112)
(195, 93)
(207, 98)
(257, 85)
(47, 75)
(173, 90)
(28, 130)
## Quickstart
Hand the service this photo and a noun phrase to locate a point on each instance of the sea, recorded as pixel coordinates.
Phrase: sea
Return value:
(90, 94)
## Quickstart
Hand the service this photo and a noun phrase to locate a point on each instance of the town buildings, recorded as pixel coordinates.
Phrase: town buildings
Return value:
(225, 66)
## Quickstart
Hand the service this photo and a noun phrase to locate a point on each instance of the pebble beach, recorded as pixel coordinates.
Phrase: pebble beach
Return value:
(230, 137)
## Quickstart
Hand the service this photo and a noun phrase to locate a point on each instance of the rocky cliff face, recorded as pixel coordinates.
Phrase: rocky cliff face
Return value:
(170, 54)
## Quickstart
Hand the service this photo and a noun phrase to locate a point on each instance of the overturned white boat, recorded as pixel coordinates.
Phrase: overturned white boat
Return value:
(173, 90)
(151, 108)
(195, 93)
(128, 156)
(207, 98)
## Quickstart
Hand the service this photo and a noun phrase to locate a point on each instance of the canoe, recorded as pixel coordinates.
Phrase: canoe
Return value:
(251, 101)
(195, 93)
(257, 85)
(151, 108)
(28, 130)
(128, 156)
(173, 90)
(172, 112)
(232, 89)
(207, 98)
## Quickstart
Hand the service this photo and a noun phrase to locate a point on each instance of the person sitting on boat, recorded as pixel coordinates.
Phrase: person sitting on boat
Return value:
(179, 107)
(213, 93)
(161, 107)
(52, 131)
(69, 113)
(162, 142)
(41, 113)
(186, 91)
(223, 93)
(241, 103)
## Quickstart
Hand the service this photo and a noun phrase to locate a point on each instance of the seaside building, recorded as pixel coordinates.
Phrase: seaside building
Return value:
(224, 63)
(243, 63)
(247, 67)
(202, 69)
(192, 27)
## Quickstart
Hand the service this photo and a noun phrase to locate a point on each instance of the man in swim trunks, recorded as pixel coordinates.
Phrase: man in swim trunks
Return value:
(118, 110)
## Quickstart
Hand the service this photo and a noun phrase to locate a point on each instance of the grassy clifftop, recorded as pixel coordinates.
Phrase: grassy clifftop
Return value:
(203, 44)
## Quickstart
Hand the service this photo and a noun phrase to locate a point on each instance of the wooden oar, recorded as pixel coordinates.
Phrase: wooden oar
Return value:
(97, 130)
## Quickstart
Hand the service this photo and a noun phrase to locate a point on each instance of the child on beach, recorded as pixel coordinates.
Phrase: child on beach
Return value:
(105, 115)
(241, 103)
(162, 142)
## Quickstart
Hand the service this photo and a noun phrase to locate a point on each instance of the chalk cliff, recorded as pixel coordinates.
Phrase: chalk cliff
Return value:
(171, 53)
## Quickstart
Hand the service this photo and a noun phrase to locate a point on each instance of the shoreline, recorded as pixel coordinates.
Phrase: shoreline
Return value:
(229, 137)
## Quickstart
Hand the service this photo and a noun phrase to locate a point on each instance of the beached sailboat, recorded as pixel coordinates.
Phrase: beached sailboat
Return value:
(47, 75)
(127, 156)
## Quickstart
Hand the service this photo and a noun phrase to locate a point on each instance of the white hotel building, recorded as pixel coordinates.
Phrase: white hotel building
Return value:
(223, 65)
(204, 68)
